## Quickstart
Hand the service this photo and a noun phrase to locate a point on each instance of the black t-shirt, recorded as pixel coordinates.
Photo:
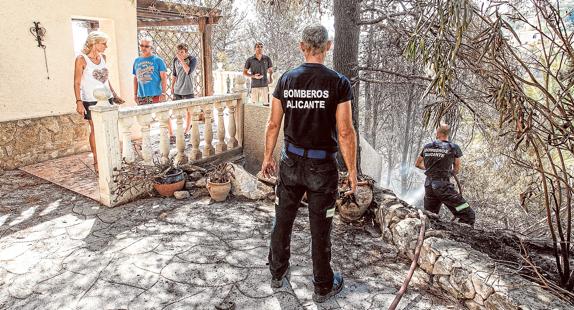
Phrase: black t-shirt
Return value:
(259, 66)
(309, 96)
(439, 157)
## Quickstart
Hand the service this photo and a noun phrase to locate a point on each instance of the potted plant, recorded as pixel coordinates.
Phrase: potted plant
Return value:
(219, 181)
(169, 181)
(136, 177)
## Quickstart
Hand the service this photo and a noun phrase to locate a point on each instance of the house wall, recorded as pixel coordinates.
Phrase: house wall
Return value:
(37, 113)
(255, 122)
(254, 125)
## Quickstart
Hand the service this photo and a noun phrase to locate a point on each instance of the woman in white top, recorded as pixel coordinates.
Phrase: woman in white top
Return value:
(91, 73)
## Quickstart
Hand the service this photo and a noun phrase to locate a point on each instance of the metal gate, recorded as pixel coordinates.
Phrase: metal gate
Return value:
(165, 42)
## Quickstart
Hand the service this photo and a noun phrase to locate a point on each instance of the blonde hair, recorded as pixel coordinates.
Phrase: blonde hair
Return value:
(93, 38)
(443, 129)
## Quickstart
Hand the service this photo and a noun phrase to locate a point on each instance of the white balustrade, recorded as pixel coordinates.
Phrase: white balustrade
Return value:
(208, 149)
(232, 141)
(195, 153)
(144, 121)
(114, 122)
(179, 136)
(127, 145)
(220, 146)
(164, 135)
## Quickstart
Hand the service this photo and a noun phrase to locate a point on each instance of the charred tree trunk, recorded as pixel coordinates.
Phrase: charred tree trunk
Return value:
(369, 118)
(346, 55)
(406, 143)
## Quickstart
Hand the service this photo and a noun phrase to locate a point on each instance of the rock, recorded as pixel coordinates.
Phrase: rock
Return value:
(202, 182)
(479, 300)
(443, 266)
(499, 301)
(50, 123)
(472, 305)
(364, 196)
(404, 232)
(428, 255)
(350, 211)
(189, 185)
(245, 184)
(482, 289)
(199, 192)
(444, 283)
(461, 281)
(394, 213)
(196, 175)
(181, 195)
(420, 279)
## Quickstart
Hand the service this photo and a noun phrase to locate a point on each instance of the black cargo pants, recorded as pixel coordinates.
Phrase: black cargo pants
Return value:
(319, 178)
(439, 191)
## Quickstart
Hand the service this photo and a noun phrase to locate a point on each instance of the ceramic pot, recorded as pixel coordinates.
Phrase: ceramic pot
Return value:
(171, 183)
(218, 191)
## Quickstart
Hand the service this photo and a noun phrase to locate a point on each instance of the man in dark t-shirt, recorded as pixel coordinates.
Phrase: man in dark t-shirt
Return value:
(316, 103)
(257, 67)
(440, 160)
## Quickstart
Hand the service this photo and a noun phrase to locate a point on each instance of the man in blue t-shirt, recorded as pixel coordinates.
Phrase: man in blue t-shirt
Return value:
(316, 104)
(150, 77)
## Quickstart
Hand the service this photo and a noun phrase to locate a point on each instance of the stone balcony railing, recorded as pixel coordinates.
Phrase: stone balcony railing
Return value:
(224, 80)
(113, 123)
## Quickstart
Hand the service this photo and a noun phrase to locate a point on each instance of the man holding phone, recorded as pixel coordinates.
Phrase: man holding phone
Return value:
(256, 68)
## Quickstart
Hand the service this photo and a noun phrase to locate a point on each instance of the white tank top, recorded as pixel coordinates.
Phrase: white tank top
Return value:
(94, 76)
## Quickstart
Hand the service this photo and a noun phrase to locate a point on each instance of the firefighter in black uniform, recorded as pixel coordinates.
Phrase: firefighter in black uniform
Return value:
(440, 160)
(316, 103)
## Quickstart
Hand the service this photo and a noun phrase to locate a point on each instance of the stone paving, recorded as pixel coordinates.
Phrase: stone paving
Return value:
(60, 250)
(76, 172)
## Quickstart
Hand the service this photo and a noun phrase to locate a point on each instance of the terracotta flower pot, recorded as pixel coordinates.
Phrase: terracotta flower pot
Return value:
(167, 190)
(171, 183)
(218, 191)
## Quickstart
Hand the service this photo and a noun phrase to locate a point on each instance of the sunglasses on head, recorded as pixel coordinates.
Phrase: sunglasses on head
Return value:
(146, 46)
(258, 45)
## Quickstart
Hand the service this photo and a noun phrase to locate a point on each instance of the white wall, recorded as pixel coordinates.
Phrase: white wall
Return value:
(25, 92)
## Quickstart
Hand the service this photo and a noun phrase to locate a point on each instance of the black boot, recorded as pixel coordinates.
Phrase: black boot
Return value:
(320, 295)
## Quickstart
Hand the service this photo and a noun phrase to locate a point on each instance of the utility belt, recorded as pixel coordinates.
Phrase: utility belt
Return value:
(308, 153)
(439, 178)
(429, 180)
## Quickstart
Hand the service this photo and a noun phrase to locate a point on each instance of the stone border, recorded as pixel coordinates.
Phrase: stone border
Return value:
(455, 268)
(30, 141)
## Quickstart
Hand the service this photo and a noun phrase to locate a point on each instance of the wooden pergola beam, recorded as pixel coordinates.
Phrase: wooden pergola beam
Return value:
(173, 22)
(205, 30)
(183, 9)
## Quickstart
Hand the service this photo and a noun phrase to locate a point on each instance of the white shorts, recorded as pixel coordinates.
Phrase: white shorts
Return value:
(260, 95)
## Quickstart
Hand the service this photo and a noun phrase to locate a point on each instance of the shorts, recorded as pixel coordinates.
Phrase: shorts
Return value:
(88, 104)
(179, 97)
(260, 95)
(148, 100)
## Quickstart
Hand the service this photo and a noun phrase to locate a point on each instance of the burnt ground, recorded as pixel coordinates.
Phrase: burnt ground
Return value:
(505, 247)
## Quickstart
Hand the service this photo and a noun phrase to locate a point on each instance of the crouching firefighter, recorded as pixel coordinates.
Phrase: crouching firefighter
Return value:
(440, 160)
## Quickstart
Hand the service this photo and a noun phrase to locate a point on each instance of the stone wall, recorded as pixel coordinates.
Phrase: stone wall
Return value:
(255, 123)
(456, 268)
(29, 141)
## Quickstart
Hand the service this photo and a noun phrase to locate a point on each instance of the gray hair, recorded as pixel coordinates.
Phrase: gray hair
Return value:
(315, 38)
(146, 39)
